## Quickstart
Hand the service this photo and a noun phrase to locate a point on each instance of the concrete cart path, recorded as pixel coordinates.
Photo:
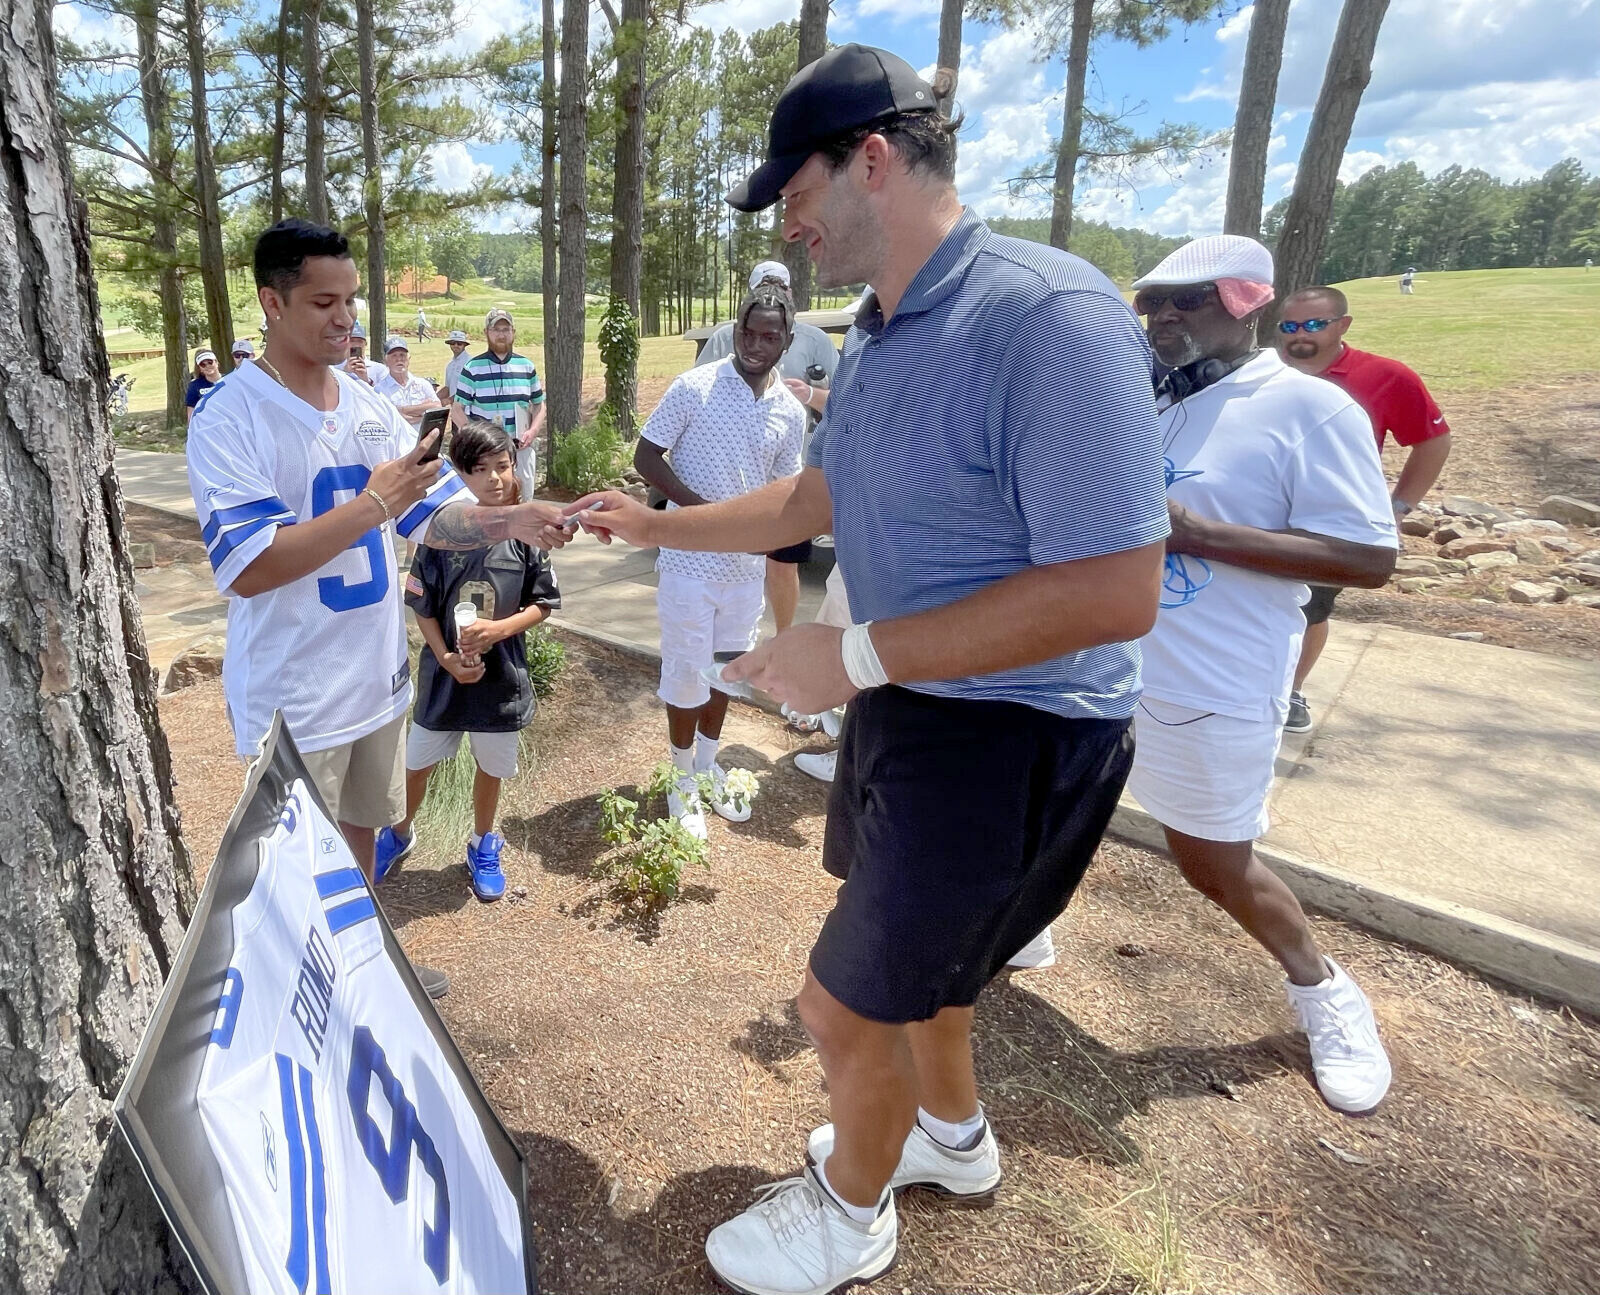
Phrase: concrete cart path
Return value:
(1448, 795)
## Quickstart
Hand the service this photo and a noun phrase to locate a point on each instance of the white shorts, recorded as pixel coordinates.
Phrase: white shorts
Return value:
(495, 753)
(1202, 774)
(700, 618)
(835, 609)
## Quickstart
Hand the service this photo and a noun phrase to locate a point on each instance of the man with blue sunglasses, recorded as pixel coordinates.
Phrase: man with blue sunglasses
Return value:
(1310, 338)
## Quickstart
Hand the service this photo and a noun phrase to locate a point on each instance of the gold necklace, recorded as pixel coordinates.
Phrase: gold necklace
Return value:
(272, 371)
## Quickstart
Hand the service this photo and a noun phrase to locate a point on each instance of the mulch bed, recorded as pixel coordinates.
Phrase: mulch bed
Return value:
(1154, 1107)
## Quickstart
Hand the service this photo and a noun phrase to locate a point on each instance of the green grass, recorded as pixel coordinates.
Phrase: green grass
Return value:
(1475, 330)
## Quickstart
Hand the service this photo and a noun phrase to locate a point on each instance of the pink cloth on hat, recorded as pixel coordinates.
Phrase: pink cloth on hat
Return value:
(1241, 296)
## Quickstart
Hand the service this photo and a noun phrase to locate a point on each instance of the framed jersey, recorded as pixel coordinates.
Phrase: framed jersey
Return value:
(298, 1107)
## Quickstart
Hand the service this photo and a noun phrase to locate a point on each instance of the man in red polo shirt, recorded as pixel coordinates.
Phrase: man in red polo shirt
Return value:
(1310, 338)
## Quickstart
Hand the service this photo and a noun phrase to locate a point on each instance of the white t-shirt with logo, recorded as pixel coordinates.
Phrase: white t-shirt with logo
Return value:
(725, 441)
(414, 391)
(328, 649)
(1279, 450)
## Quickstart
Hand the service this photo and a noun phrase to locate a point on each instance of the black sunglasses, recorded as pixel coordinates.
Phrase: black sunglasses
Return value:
(1293, 326)
(1150, 300)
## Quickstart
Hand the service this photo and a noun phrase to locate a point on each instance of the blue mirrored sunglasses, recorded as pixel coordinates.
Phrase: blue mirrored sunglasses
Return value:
(1292, 326)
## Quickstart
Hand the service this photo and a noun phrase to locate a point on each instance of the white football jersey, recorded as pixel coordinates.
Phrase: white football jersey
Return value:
(329, 649)
(354, 1164)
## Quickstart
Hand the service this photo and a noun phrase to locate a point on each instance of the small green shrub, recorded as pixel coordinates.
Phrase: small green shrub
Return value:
(547, 658)
(589, 457)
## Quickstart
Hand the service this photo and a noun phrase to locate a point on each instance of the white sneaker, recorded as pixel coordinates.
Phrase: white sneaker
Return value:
(683, 803)
(796, 1240)
(927, 1163)
(819, 766)
(1036, 953)
(1351, 1067)
(722, 802)
(833, 722)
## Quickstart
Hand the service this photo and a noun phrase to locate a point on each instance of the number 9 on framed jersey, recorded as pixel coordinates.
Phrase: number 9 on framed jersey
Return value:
(303, 1116)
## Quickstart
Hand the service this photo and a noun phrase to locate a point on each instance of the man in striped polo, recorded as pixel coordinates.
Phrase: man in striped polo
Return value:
(991, 467)
(504, 387)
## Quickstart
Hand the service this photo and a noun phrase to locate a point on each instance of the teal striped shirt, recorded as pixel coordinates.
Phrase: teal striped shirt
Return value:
(493, 389)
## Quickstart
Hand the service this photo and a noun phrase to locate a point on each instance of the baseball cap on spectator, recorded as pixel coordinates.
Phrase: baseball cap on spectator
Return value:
(769, 270)
(848, 87)
(200, 357)
(243, 347)
(396, 344)
(456, 335)
(1239, 266)
(495, 316)
(357, 331)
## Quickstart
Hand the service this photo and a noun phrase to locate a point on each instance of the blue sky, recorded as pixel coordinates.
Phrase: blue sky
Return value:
(1511, 86)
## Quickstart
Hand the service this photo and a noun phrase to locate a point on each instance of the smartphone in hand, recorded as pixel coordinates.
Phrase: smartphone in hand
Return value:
(434, 420)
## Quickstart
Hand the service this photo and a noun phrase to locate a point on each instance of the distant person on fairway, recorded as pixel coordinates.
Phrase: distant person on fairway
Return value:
(1274, 482)
(1407, 279)
(504, 387)
(806, 368)
(1310, 337)
(991, 469)
(720, 431)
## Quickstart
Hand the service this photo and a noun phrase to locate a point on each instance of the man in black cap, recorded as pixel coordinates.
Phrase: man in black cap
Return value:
(990, 466)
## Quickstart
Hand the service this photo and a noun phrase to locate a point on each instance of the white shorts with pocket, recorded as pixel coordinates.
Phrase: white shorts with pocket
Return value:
(700, 618)
(496, 753)
(1203, 774)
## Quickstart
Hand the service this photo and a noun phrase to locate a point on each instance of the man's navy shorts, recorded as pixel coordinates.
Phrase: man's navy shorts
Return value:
(960, 829)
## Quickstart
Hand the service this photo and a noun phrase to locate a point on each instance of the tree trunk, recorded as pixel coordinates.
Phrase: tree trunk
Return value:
(213, 266)
(156, 104)
(1071, 123)
(627, 196)
(1252, 121)
(316, 107)
(96, 886)
(1305, 223)
(549, 236)
(566, 354)
(951, 12)
(372, 181)
(280, 96)
(813, 45)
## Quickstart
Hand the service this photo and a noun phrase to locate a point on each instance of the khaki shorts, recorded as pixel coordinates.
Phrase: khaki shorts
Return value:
(364, 782)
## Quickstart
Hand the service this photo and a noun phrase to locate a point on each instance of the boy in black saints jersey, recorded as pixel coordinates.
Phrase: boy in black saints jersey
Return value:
(473, 609)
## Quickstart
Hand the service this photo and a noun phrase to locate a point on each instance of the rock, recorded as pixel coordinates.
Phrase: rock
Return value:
(1588, 572)
(202, 659)
(1494, 558)
(1416, 526)
(1560, 545)
(1526, 591)
(1418, 584)
(1407, 565)
(1455, 531)
(1468, 636)
(1131, 950)
(1585, 600)
(1488, 602)
(1564, 508)
(1467, 546)
(1450, 566)
(639, 492)
(1457, 506)
(1529, 550)
(1530, 526)
(1520, 513)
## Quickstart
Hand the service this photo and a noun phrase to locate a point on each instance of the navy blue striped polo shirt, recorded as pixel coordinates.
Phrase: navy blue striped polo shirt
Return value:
(1002, 419)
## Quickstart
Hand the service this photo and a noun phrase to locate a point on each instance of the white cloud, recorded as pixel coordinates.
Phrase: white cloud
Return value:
(1352, 166)
(89, 27)
(745, 16)
(454, 168)
(475, 25)
(1012, 102)
(896, 10)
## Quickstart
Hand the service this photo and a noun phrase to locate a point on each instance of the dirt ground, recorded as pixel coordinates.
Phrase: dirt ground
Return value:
(1154, 1107)
(1517, 445)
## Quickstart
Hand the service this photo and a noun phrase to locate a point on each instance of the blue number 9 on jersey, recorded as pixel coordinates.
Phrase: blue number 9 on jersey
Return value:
(392, 1157)
(337, 593)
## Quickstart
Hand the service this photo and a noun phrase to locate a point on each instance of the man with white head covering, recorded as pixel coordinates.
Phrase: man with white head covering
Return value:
(1273, 481)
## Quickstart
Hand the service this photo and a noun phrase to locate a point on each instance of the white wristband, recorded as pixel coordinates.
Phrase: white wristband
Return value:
(861, 662)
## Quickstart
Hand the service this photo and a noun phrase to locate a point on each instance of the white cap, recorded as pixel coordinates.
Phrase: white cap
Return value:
(769, 270)
(1222, 256)
(395, 344)
(200, 357)
(244, 346)
(456, 335)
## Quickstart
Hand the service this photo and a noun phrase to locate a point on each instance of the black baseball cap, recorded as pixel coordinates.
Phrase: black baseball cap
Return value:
(848, 87)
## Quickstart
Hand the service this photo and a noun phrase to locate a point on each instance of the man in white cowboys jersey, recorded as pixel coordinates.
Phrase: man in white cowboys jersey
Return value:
(351, 1166)
(298, 473)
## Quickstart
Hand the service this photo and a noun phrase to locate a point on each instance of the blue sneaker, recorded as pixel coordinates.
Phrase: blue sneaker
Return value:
(391, 848)
(483, 867)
